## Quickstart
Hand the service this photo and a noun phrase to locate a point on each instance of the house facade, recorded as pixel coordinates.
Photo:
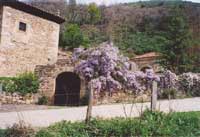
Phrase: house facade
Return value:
(29, 40)
(28, 37)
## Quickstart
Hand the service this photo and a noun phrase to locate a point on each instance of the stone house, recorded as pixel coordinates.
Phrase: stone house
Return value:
(29, 40)
(148, 60)
(29, 37)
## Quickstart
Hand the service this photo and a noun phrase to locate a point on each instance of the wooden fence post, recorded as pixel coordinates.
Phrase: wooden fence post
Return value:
(154, 95)
(1, 87)
(90, 104)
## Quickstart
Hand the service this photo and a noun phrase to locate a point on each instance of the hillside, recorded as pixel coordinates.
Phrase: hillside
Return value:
(136, 28)
(133, 14)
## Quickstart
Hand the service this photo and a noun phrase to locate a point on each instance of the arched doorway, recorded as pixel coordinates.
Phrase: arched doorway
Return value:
(67, 92)
(144, 68)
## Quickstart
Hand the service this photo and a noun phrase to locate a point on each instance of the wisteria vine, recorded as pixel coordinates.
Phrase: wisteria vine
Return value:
(109, 71)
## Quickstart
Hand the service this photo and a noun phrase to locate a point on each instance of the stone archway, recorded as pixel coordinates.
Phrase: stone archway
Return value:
(144, 68)
(49, 73)
(67, 89)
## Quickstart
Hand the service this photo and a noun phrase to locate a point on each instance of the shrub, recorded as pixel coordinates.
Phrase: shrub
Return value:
(43, 100)
(24, 83)
(27, 83)
(73, 37)
(94, 13)
(189, 82)
(8, 84)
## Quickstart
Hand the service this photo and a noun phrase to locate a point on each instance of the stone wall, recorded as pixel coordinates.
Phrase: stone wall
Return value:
(48, 73)
(149, 59)
(143, 62)
(121, 97)
(16, 98)
(21, 51)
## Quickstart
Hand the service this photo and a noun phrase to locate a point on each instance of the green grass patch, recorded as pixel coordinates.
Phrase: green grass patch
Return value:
(2, 133)
(150, 124)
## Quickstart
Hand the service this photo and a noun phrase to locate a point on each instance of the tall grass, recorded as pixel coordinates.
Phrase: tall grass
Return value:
(149, 124)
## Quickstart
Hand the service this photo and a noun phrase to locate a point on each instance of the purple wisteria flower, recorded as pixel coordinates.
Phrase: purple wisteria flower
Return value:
(109, 71)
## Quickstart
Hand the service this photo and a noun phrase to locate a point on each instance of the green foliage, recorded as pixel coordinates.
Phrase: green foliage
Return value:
(73, 37)
(168, 34)
(43, 100)
(94, 13)
(143, 38)
(156, 3)
(150, 124)
(141, 42)
(195, 56)
(8, 84)
(94, 34)
(24, 83)
(175, 55)
(195, 62)
(27, 83)
(2, 133)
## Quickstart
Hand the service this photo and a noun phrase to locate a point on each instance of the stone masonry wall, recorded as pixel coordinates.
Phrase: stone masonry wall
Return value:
(16, 98)
(48, 74)
(21, 51)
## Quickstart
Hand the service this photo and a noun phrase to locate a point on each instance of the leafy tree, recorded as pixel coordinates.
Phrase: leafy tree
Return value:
(175, 53)
(94, 13)
(139, 41)
(72, 37)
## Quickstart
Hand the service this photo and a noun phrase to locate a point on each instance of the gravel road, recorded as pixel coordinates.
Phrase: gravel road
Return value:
(44, 118)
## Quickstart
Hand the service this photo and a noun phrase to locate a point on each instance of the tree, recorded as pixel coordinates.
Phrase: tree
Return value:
(175, 55)
(94, 13)
(148, 39)
(72, 37)
(71, 13)
(58, 7)
(95, 34)
(72, 2)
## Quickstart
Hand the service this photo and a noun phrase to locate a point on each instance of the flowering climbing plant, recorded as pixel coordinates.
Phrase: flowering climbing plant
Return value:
(187, 82)
(106, 70)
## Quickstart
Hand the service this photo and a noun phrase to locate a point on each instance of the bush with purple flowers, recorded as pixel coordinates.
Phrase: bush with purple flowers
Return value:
(106, 70)
(188, 83)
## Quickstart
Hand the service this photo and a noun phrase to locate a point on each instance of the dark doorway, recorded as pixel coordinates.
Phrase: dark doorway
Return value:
(67, 89)
(145, 68)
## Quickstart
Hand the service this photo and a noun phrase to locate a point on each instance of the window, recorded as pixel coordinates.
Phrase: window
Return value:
(22, 26)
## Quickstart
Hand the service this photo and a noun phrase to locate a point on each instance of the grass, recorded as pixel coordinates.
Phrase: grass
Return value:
(154, 124)
(2, 132)
(150, 124)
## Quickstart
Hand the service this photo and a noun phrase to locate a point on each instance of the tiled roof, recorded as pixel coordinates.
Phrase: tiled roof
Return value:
(32, 10)
(147, 55)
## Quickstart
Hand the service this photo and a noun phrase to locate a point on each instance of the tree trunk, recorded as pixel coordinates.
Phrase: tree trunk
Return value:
(90, 103)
